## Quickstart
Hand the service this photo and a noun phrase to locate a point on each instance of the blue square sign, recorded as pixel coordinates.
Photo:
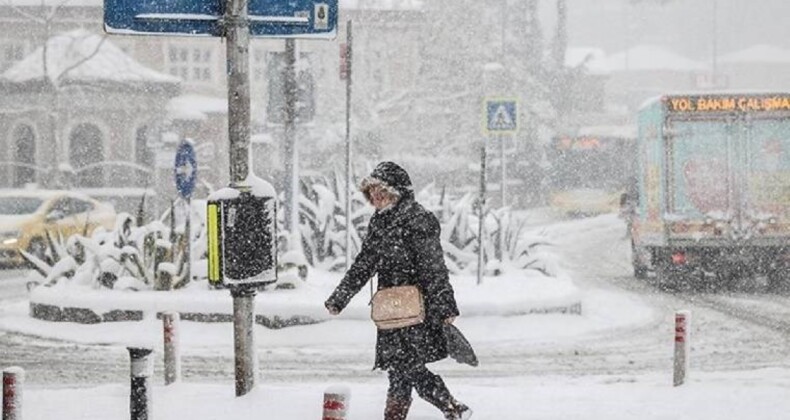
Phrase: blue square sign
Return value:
(501, 115)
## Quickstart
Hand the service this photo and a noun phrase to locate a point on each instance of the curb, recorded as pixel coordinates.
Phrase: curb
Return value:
(52, 313)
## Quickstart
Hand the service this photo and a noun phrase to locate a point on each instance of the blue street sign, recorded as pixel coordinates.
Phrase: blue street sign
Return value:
(267, 18)
(185, 168)
(501, 115)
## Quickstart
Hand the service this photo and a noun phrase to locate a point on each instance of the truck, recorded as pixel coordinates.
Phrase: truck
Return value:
(713, 190)
(590, 169)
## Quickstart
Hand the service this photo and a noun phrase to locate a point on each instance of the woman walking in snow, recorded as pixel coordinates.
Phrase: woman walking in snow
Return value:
(403, 247)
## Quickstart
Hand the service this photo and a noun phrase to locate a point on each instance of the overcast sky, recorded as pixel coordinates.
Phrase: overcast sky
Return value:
(686, 26)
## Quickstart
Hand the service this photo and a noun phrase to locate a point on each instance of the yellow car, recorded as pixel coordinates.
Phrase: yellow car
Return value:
(27, 215)
(585, 202)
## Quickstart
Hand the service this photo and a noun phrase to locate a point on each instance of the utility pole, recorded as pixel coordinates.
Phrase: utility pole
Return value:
(291, 148)
(347, 57)
(237, 34)
(482, 204)
(715, 43)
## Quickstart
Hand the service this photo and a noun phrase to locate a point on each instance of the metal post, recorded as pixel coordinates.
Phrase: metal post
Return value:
(682, 322)
(348, 56)
(715, 52)
(482, 204)
(501, 139)
(13, 379)
(503, 12)
(503, 197)
(237, 35)
(140, 391)
(289, 131)
(172, 350)
(188, 248)
(243, 339)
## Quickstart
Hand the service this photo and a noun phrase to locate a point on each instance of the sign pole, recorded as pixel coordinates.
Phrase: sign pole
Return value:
(291, 153)
(188, 247)
(503, 197)
(482, 203)
(237, 35)
(504, 168)
(349, 221)
(186, 176)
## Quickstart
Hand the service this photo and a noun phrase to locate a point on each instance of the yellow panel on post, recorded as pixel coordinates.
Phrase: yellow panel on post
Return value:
(214, 243)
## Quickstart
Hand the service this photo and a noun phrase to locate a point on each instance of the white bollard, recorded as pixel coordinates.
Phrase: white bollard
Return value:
(336, 400)
(140, 389)
(172, 347)
(682, 324)
(13, 379)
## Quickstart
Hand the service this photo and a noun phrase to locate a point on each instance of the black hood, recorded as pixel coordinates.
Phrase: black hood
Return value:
(394, 176)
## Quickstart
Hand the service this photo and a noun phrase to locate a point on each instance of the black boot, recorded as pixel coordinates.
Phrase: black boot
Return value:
(457, 411)
(432, 389)
(397, 409)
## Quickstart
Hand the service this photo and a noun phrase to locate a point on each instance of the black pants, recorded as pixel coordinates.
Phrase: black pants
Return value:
(428, 385)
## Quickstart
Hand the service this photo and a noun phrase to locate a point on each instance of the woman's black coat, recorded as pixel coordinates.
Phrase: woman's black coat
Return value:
(403, 247)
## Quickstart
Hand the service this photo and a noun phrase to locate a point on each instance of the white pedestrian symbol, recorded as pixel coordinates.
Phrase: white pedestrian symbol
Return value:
(502, 119)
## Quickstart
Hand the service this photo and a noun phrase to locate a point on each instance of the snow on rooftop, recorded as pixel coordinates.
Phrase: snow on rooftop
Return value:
(651, 57)
(102, 61)
(195, 107)
(760, 53)
(593, 59)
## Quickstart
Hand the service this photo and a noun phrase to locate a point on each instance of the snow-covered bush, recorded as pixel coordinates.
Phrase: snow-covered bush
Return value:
(322, 221)
(126, 257)
(460, 220)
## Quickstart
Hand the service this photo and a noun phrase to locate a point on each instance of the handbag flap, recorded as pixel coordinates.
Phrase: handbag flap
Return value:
(397, 302)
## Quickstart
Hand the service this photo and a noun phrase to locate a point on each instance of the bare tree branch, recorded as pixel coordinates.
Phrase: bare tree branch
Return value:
(81, 62)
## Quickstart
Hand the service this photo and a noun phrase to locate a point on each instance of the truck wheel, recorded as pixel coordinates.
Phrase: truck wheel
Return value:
(726, 279)
(779, 280)
(640, 270)
(664, 279)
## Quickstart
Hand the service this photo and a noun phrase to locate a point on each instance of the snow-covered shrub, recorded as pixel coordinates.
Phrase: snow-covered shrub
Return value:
(460, 220)
(322, 222)
(126, 257)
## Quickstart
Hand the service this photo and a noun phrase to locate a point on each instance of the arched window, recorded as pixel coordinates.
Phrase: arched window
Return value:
(24, 154)
(86, 148)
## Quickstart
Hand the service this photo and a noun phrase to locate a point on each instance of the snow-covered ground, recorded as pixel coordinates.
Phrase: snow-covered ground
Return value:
(614, 361)
(733, 395)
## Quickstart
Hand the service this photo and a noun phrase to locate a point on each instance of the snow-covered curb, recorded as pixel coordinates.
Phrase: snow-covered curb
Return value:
(517, 293)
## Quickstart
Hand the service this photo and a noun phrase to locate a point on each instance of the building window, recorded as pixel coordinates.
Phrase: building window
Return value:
(86, 151)
(10, 53)
(25, 156)
(192, 64)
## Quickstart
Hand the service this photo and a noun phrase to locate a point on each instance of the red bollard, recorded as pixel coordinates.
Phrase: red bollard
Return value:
(681, 363)
(13, 378)
(172, 350)
(336, 403)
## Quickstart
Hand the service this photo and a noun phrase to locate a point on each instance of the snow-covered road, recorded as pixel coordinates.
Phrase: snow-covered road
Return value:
(626, 328)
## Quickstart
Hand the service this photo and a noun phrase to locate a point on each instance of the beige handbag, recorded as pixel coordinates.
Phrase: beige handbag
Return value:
(397, 307)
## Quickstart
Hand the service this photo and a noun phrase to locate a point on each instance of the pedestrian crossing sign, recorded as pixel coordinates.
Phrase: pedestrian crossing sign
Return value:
(501, 115)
